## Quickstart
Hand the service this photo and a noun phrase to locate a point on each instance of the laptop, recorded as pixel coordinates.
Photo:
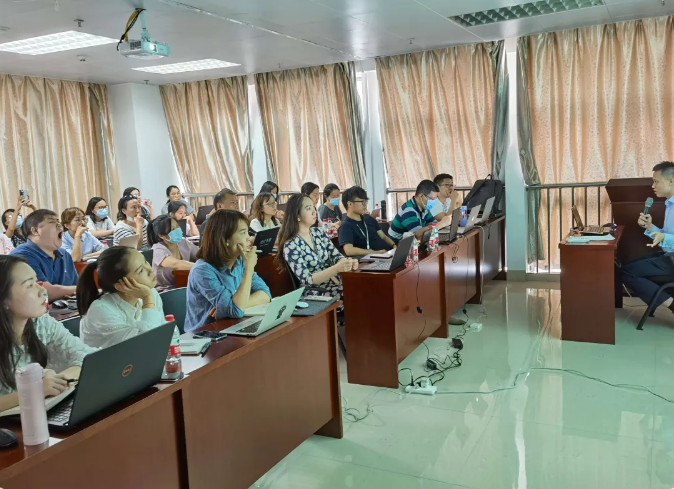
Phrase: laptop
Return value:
(399, 258)
(449, 235)
(129, 241)
(202, 213)
(183, 226)
(265, 239)
(114, 374)
(279, 311)
(470, 223)
(425, 238)
(588, 230)
(487, 210)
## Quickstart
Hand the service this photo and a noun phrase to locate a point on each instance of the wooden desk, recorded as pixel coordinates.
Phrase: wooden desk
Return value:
(241, 408)
(462, 271)
(490, 256)
(590, 289)
(181, 277)
(278, 281)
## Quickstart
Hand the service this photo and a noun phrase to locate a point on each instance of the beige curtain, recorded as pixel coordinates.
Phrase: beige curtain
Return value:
(437, 113)
(312, 125)
(56, 142)
(208, 126)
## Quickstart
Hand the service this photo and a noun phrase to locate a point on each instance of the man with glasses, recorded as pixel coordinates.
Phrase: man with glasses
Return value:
(415, 215)
(43, 253)
(359, 233)
(448, 200)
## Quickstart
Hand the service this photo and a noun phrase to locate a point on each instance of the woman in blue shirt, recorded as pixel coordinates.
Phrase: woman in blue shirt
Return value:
(77, 240)
(223, 282)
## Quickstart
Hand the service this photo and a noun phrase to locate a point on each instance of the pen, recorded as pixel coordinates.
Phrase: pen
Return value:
(204, 348)
(71, 381)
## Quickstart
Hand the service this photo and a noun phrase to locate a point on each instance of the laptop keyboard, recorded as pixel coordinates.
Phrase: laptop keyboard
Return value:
(382, 265)
(61, 413)
(594, 229)
(251, 328)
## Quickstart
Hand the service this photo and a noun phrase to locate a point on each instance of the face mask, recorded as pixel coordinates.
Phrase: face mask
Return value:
(429, 204)
(275, 196)
(102, 213)
(19, 221)
(334, 202)
(176, 236)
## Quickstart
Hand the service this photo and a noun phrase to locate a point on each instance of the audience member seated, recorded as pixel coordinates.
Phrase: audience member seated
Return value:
(128, 305)
(263, 213)
(13, 222)
(415, 215)
(77, 240)
(308, 251)
(98, 218)
(226, 200)
(330, 208)
(223, 282)
(359, 234)
(28, 334)
(54, 266)
(448, 200)
(178, 211)
(146, 209)
(5, 244)
(171, 251)
(272, 188)
(174, 195)
(129, 222)
(311, 190)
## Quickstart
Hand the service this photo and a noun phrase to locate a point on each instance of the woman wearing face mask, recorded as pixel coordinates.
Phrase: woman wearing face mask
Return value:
(28, 334)
(129, 304)
(330, 209)
(146, 209)
(77, 240)
(271, 188)
(263, 213)
(13, 220)
(130, 222)
(174, 195)
(178, 211)
(223, 282)
(98, 218)
(171, 251)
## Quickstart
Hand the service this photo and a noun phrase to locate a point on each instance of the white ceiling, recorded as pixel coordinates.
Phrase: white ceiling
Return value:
(334, 30)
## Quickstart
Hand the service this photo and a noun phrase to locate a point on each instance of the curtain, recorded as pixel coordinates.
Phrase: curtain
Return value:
(208, 127)
(312, 126)
(55, 142)
(499, 137)
(600, 107)
(437, 113)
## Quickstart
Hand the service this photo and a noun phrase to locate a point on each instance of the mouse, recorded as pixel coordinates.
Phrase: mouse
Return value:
(302, 305)
(61, 304)
(7, 438)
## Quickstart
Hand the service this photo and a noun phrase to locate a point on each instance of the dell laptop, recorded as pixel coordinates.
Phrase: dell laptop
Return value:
(449, 235)
(279, 311)
(114, 374)
(470, 223)
(265, 239)
(587, 230)
(399, 258)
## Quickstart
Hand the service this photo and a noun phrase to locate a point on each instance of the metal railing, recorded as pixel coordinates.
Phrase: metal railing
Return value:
(550, 218)
(394, 197)
(245, 199)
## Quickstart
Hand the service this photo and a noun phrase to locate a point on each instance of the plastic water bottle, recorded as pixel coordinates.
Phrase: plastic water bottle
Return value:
(415, 250)
(31, 404)
(434, 242)
(376, 208)
(173, 368)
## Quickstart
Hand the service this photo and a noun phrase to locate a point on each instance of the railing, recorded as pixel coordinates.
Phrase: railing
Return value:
(394, 197)
(550, 218)
(245, 199)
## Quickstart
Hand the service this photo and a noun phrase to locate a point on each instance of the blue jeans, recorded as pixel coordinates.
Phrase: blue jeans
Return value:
(635, 273)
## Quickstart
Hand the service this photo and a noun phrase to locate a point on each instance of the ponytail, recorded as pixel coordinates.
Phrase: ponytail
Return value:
(110, 267)
(160, 226)
(87, 290)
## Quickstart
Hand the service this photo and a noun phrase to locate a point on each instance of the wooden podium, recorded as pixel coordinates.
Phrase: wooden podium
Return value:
(628, 196)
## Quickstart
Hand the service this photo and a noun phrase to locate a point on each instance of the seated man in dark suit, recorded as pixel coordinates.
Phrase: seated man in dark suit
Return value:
(635, 272)
(359, 234)
(43, 253)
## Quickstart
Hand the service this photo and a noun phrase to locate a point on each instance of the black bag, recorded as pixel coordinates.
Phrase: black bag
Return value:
(482, 191)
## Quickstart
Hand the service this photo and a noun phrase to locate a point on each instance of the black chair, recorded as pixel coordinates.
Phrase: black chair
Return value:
(384, 226)
(665, 282)
(175, 302)
(204, 210)
(148, 253)
(73, 325)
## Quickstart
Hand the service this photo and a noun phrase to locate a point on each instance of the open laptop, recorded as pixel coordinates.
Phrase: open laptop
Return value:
(470, 223)
(129, 241)
(587, 230)
(399, 258)
(487, 210)
(114, 374)
(448, 234)
(202, 213)
(183, 226)
(425, 238)
(265, 239)
(279, 311)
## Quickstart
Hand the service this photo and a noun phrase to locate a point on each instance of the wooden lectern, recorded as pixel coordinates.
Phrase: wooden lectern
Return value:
(628, 196)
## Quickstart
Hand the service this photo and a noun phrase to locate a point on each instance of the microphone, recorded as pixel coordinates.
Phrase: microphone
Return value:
(647, 206)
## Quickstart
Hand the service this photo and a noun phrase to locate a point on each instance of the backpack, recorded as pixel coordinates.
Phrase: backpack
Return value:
(484, 190)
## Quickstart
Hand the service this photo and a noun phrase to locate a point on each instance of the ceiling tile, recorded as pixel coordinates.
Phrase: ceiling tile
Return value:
(356, 7)
(576, 18)
(504, 30)
(638, 10)
(457, 7)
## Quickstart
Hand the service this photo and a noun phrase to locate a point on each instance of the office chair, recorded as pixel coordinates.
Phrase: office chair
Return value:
(73, 325)
(175, 302)
(148, 253)
(384, 226)
(665, 282)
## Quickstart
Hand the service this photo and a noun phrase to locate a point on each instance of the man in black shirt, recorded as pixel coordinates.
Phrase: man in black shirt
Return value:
(359, 233)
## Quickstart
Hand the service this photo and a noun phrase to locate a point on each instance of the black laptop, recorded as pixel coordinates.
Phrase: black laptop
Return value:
(183, 226)
(114, 374)
(265, 239)
(399, 258)
(447, 235)
(425, 239)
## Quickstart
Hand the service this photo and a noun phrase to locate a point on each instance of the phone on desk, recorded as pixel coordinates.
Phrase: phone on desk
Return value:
(211, 335)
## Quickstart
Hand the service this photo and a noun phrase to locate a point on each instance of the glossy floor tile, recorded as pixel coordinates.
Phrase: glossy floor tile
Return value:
(509, 416)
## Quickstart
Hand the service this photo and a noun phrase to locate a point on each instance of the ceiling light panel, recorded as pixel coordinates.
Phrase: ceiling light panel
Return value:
(203, 64)
(52, 43)
(522, 11)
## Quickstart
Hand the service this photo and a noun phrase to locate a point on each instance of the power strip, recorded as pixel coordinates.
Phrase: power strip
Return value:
(427, 391)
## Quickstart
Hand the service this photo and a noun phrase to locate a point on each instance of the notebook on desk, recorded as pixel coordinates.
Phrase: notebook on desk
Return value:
(49, 402)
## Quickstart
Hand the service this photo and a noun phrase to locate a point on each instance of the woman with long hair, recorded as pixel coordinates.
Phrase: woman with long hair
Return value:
(308, 251)
(223, 282)
(129, 303)
(98, 218)
(178, 211)
(330, 208)
(28, 334)
(146, 209)
(171, 251)
(130, 222)
(271, 188)
(263, 213)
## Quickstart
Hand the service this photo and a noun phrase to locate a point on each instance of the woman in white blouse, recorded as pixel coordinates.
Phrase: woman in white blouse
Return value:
(129, 304)
(130, 222)
(263, 213)
(28, 334)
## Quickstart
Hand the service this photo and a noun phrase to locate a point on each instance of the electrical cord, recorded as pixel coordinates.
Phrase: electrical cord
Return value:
(130, 23)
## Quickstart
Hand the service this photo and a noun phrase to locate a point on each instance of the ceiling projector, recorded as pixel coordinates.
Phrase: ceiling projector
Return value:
(144, 48)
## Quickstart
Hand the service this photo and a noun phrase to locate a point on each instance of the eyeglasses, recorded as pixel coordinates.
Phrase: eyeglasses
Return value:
(270, 204)
(360, 201)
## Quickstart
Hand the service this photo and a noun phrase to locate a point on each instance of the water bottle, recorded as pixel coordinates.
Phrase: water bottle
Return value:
(33, 413)
(415, 250)
(376, 208)
(434, 242)
(383, 211)
(173, 368)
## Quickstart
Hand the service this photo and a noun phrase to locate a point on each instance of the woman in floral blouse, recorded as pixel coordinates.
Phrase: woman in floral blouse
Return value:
(308, 251)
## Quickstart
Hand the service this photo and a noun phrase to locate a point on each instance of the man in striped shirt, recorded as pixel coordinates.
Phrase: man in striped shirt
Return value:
(415, 215)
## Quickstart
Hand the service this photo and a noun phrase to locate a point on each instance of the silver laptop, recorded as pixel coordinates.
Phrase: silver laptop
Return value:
(470, 223)
(487, 210)
(279, 311)
(129, 241)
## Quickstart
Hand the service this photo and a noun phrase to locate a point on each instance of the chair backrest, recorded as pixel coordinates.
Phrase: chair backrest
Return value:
(148, 253)
(175, 302)
(384, 226)
(73, 325)
(203, 211)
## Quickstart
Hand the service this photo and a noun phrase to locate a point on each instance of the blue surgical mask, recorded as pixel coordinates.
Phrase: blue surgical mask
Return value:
(175, 236)
(335, 201)
(430, 203)
(275, 196)
(102, 213)
(19, 221)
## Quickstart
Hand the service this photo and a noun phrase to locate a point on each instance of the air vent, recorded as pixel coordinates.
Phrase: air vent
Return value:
(523, 11)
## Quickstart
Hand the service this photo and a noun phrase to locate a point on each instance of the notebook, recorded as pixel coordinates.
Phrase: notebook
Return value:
(49, 402)
(193, 346)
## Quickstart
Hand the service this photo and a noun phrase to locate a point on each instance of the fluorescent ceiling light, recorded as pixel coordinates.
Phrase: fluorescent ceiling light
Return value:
(202, 64)
(522, 11)
(51, 43)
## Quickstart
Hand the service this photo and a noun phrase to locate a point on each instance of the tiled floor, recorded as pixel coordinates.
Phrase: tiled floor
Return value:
(552, 430)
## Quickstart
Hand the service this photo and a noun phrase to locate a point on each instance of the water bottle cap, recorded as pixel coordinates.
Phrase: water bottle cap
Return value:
(30, 373)
(170, 317)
